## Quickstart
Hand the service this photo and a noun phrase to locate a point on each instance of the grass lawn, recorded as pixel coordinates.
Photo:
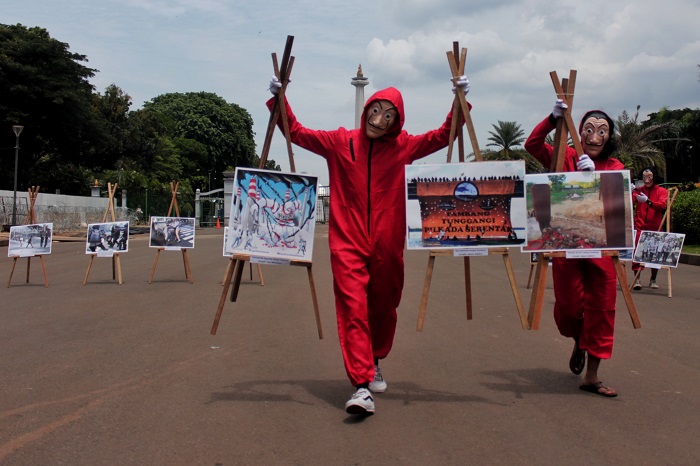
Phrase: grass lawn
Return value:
(691, 248)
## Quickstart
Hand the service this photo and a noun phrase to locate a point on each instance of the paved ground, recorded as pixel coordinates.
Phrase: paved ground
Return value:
(109, 374)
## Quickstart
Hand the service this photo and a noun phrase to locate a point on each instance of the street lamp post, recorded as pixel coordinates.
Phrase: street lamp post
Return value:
(17, 129)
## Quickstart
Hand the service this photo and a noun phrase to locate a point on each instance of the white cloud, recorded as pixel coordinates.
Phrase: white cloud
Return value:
(626, 54)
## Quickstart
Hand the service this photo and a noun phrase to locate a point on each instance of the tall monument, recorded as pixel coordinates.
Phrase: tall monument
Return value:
(359, 82)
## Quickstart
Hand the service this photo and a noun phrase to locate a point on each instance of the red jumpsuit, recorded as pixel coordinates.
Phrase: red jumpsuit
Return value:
(367, 226)
(648, 216)
(585, 290)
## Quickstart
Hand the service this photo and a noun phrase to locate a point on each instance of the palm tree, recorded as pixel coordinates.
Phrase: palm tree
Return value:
(636, 143)
(507, 135)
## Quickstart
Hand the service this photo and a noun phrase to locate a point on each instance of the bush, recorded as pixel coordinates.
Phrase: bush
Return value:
(684, 215)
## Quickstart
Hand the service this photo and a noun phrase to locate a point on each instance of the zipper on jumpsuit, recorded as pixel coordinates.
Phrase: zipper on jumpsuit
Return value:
(369, 187)
(369, 179)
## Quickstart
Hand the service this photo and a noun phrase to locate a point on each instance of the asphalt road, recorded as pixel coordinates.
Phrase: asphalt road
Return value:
(109, 374)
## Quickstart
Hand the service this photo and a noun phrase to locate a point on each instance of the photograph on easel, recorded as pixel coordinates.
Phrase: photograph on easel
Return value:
(465, 205)
(30, 240)
(579, 210)
(223, 246)
(173, 233)
(107, 239)
(659, 249)
(273, 214)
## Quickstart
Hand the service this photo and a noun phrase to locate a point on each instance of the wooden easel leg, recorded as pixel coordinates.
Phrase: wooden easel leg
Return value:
(426, 290)
(529, 277)
(222, 300)
(468, 286)
(119, 267)
(537, 298)
(12, 271)
(188, 271)
(312, 286)
(240, 264)
(114, 267)
(636, 277)
(29, 266)
(260, 275)
(153, 269)
(43, 269)
(670, 283)
(516, 293)
(230, 264)
(92, 258)
(622, 278)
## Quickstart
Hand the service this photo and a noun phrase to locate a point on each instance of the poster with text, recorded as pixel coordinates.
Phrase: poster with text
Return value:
(465, 205)
(30, 240)
(172, 233)
(579, 210)
(107, 239)
(657, 249)
(273, 214)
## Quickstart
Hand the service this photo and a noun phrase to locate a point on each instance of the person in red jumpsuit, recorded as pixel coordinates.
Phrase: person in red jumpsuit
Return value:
(367, 226)
(585, 290)
(649, 211)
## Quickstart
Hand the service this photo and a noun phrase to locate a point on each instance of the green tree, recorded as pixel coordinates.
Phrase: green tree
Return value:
(680, 144)
(225, 129)
(46, 89)
(636, 144)
(506, 135)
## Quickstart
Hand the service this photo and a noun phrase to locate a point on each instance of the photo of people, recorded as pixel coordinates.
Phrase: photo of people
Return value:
(172, 232)
(659, 249)
(465, 205)
(30, 240)
(107, 239)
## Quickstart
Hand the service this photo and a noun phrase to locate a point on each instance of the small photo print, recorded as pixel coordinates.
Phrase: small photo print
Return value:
(107, 239)
(657, 249)
(30, 240)
(172, 233)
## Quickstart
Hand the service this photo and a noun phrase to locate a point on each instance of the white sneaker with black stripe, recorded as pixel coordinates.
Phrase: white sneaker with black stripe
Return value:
(378, 384)
(360, 403)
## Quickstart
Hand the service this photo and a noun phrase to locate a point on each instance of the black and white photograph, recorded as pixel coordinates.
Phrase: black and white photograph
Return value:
(107, 239)
(172, 233)
(30, 240)
(659, 249)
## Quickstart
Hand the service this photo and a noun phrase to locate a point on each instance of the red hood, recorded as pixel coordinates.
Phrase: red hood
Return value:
(392, 95)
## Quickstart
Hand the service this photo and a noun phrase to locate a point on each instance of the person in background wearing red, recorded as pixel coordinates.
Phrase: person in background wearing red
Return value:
(585, 290)
(650, 200)
(367, 230)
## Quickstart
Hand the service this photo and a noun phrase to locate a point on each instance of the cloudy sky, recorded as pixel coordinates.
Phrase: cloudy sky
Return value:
(626, 53)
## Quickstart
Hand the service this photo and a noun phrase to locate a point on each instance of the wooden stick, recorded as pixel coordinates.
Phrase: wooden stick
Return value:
(222, 300)
(314, 300)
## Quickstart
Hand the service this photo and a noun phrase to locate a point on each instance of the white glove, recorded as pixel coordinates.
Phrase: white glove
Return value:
(463, 83)
(275, 85)
(559, 107)
(585, 163)
(642, 198)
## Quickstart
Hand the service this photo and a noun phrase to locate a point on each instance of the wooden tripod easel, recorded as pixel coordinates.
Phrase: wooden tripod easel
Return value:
(31, 219)
(460, 109)
(116, 264)
(566, 127)
(665, 223)
(173, 206)
(237, 261)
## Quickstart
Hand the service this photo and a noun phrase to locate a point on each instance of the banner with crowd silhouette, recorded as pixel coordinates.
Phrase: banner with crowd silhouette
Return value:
(272, 214)
(579, 210)
(465, 205)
